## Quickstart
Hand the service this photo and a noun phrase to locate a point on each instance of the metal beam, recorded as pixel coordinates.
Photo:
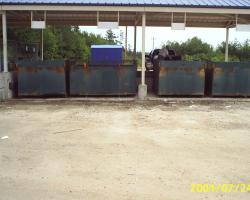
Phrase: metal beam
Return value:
(41, 44)
(142, 88)
(18, 18)
(143, 49)
(5, 53)
(126, 8)
(161, 23)
(226, 46)
(126, 41)
(135, 34)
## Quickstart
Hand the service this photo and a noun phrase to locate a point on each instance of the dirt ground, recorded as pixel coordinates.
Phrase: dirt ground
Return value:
(122, 150)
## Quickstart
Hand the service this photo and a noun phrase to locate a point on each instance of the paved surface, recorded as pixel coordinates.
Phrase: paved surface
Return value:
(122, 150)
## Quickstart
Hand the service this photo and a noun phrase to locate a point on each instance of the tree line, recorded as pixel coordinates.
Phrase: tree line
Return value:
(71, 43)
(196, 49)
(61, 42)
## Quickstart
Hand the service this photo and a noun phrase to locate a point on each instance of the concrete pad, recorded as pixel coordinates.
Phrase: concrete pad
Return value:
(122, 150)
(5, 80)
(142, 91)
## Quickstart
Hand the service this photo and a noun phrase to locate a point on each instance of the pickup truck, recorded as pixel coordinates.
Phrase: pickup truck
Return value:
(159, 54)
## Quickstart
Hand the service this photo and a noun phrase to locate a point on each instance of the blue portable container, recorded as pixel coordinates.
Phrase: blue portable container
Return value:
(106, 55)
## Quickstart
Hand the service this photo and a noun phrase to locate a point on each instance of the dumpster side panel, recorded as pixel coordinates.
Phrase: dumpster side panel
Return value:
(231, 79)
(98, 80)
(127, 80)
(41, 78)
(180, 78)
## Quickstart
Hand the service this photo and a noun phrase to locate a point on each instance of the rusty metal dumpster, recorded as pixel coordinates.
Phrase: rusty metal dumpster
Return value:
(99, 80)
(41, 78)
(231, 79)
(180, 78)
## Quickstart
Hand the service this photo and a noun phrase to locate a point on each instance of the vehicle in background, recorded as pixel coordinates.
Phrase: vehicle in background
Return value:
(159, 54)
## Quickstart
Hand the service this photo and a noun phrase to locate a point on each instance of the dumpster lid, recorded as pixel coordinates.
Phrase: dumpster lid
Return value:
(106, 46)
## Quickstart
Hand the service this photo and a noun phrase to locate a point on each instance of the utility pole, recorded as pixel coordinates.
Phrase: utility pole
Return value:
(153, 42)
(126, 42)
(42, 44)
(226, 45)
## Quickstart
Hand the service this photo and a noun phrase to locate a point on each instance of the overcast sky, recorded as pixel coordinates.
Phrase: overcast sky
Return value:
(213, 36)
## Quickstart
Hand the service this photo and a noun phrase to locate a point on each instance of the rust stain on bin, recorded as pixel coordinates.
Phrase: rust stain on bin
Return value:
(102, 80)
(201, 72)
(218, 71)
(180, 78)
(57, 69)
(122, 70)
(162, 71)
(231, 79)
(28, 69)
(187, 69)
(41, 78)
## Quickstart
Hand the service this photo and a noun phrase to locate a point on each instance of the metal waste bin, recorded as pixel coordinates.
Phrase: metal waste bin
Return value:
(99, 80)
(41, 78)
(231, 79)
(180, 78)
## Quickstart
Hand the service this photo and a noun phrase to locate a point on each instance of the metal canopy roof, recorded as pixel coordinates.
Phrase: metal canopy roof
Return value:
(89, 18)
(199, 13)
(180, 3)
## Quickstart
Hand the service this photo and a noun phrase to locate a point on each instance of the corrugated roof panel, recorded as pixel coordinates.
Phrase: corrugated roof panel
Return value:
(179, 3)
(208, 3)
(230, 3)
(216, 3)
(239, 2)
(243, 3)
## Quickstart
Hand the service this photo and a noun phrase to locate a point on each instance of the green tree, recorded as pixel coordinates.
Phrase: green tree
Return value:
(192, 49)
(245, 51)
(111, 37)
(25, 35)
(50, 45)
(237, 51)
(195, 49)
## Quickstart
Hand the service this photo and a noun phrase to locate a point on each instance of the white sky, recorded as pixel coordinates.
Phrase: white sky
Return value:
(213, 36)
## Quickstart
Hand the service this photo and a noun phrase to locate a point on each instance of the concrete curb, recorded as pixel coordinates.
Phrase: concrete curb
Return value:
(132, 99)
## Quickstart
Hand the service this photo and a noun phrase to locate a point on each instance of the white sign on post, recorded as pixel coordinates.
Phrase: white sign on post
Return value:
(38, 25)
(108, 25)
(178, 26)
(243, 27)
